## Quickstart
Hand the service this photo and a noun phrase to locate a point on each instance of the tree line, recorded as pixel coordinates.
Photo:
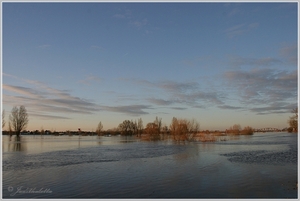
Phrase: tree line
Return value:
(179, 129)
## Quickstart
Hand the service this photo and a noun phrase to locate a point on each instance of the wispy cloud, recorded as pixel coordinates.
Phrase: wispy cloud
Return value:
(128, 17)
(158, 101)
(133, 110)
(23, 90)
(139, 23)
(178, 87)
(51, 101)
(124, 14)
(188, 93)
(119, 16)
(274, 108)
(47, 102)
(89, 79)
(240, 29)
(210, 98)
(237, 61)
(234, 12)
(264, 86)
(40, 97)
(290, 54)
(178, 108)
(46, 116)
(229, 107)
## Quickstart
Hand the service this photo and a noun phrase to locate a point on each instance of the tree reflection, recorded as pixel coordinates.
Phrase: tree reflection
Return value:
(78, 141)
(9, 143)
(19, 144)
(99, 140)
(127, 139)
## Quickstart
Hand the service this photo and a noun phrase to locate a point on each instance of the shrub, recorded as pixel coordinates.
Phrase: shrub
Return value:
(247, 131)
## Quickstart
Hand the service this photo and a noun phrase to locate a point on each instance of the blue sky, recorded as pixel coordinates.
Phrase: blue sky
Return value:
(75, 64)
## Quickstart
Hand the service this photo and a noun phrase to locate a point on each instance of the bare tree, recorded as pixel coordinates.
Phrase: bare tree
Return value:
(140, 126)
(183, 129)
(174, 127)
(127, 127)
(99, 128)
(10, 129)
(42, 131)
(3, 120)
(18, 119)
(157, 121)
(247, 131)
(235, 129)
(135, 128)
(152, 131)
(193, 127)
(293, 121)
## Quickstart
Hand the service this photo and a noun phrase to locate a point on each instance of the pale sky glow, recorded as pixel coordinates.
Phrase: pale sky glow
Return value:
(75, 64)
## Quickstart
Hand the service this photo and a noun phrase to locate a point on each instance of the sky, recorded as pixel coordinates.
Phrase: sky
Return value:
(73, 65)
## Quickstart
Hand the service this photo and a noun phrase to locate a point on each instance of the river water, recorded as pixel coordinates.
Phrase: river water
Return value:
(263, 165)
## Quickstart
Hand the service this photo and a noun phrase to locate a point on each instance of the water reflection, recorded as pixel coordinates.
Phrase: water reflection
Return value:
(16, 143)
(127, 167)
(127, 139)
(78, 141)
(99, 140)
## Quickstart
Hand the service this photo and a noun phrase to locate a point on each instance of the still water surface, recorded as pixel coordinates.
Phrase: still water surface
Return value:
(264, 165)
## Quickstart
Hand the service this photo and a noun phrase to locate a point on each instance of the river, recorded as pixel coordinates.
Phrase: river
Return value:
(263, 165)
